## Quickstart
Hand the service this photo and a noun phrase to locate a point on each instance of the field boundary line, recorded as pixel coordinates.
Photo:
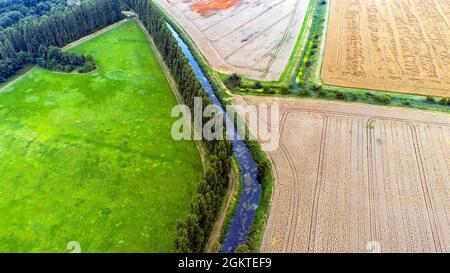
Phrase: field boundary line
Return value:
(93, 35)
(339, 113)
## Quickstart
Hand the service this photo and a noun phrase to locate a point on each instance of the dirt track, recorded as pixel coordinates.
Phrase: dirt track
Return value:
(349, 174)
(401, 45)
(254, 38)
(93, 35)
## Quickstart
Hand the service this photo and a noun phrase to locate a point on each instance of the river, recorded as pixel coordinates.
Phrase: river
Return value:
(250, 195)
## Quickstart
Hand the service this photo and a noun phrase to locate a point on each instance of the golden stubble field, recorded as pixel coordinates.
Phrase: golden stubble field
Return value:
(401, 45)
(352, 176)
(254, 38)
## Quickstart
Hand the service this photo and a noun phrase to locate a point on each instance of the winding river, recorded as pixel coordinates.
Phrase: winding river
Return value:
(250, 195)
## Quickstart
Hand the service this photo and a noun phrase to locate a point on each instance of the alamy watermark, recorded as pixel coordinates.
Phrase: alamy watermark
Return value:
(373, 247)
(74, 247)
(238, 122)
(74, 2)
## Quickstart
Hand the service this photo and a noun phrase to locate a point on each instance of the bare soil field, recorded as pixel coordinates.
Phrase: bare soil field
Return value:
(401, 46)
(348, 175)
(254, 38)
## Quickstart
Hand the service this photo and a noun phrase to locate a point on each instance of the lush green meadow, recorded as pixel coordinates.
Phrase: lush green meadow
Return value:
(89, 157)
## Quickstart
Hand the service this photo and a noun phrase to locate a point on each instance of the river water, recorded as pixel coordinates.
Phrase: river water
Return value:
(250, 195)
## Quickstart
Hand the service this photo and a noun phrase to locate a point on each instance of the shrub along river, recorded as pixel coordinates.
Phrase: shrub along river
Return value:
(240, 225)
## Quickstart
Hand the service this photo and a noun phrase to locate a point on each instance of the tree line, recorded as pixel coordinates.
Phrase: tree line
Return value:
(193, 231)
(19, 44)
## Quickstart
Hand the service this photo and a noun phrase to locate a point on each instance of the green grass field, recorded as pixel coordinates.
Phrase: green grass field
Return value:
(90, 158)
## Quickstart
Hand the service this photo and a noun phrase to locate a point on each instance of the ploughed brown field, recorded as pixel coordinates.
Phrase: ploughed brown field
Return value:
(401, 45)
(351, 177)
(254, 38)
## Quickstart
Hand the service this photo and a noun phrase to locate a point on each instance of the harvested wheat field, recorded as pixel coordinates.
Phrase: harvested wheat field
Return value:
(401, 46)
(352, 176)
(254, 38)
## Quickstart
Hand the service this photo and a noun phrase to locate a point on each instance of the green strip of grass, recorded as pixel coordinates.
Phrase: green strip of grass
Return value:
(298, 49)
(233, 204)
(258, 228)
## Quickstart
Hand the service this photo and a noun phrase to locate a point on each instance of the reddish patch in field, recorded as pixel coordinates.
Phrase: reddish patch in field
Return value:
(205, 7)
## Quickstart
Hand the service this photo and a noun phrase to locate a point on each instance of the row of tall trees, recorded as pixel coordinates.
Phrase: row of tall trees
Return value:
(57, 30)
(192, 232)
